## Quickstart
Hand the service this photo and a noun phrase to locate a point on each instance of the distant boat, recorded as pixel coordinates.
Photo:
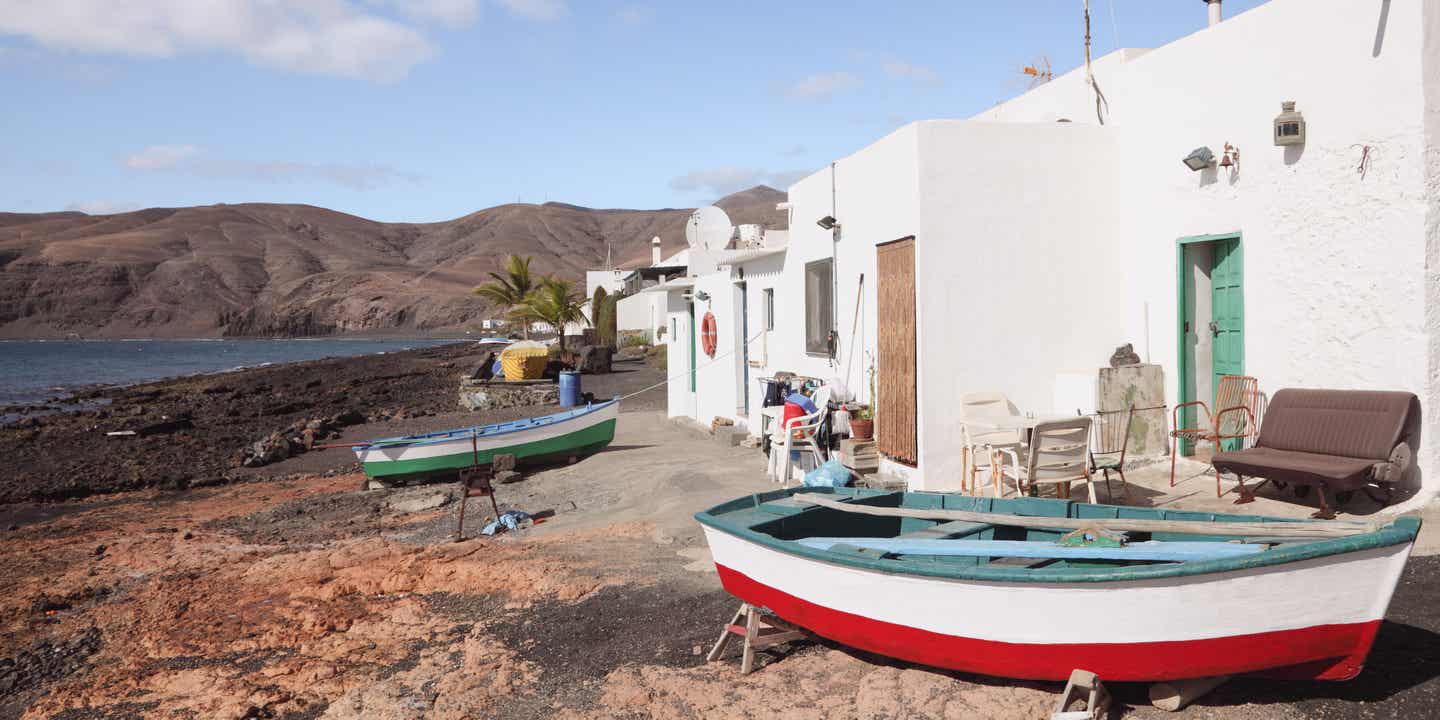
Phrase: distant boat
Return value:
(1034, 588)
(575, 432)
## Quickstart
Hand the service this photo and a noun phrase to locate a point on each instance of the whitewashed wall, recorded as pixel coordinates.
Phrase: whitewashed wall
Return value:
(642, 311)
(1016, 270)
(1334, 263)
(876, 201)
(680, 400)
(1084, 220)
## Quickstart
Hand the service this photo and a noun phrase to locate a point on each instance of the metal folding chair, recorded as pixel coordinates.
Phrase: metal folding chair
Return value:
(1237, 401)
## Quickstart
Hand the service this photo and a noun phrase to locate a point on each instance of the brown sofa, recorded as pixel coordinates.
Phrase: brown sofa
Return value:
(1337, 440)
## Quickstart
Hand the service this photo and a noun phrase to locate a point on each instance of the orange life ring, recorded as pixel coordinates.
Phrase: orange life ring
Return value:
(708, 336)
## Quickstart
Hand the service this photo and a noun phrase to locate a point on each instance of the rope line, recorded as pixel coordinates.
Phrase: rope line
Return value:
(697, 369)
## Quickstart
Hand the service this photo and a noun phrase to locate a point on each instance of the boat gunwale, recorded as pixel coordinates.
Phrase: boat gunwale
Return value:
(1402, 529)
(444, 436)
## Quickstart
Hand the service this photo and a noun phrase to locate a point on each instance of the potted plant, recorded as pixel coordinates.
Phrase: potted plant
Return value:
(862, 420)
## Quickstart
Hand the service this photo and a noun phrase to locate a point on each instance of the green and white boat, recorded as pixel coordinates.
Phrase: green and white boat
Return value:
(571, 433)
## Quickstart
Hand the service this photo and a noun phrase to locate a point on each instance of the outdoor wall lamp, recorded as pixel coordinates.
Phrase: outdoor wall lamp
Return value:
(1200, 158)
(828, 222)
(702, 296)
(1289, 125)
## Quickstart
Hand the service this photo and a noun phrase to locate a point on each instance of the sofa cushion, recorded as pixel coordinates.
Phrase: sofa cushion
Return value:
(1362, 424)
(1333, 471)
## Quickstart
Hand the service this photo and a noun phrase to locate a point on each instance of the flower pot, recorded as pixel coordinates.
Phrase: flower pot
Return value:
(862, 429)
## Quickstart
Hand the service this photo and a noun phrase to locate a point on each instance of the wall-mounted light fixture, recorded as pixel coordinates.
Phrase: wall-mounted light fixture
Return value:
(828, 222)
(1199, 159)
(702, 296)
(1289, 125)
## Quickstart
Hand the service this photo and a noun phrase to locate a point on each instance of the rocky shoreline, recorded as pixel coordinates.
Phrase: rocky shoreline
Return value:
(213, 429)
(201, 430)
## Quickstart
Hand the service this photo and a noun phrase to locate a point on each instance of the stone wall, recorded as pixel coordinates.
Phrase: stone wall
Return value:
(1143, 388)
(497, 394)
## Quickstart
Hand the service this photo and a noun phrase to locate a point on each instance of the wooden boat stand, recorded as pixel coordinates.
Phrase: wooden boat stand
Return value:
(761, 630)
(1084, 698)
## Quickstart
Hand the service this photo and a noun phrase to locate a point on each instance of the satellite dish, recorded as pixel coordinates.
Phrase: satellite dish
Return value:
(708, 229)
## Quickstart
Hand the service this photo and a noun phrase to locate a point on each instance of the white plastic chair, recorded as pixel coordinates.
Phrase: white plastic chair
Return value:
(798, 434)
(981, 442)
(1058, 453)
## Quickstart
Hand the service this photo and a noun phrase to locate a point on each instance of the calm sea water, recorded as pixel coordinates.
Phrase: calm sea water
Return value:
(33, 370)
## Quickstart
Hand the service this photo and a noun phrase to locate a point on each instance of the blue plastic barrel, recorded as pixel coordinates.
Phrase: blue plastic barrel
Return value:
(569, 388)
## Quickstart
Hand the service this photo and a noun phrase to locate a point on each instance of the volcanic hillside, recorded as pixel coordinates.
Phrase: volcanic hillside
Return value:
(283, 270)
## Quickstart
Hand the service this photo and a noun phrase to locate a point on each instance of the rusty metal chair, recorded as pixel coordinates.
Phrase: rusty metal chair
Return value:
(1109, 439)
(1237, 402)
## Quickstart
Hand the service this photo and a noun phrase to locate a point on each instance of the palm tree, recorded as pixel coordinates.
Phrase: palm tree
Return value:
(510, 291)
(555, 301)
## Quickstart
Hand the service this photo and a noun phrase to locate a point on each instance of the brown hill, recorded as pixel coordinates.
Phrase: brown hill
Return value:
(264, 269)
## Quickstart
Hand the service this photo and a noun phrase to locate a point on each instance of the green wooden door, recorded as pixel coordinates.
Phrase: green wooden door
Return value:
(694, 330)
(1227, 303)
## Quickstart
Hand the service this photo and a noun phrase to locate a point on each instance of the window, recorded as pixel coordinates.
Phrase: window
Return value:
(819, 306)
(768, 307)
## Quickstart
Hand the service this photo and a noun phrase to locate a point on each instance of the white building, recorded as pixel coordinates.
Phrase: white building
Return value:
(1022, 245)
(644, 311)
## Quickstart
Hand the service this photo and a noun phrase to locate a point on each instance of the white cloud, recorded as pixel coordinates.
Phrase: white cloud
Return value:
(634, 14)
(161, 157)
(102, 207)
(823, 86)
(326, 37)
(907, 71)
(731, 178)
(455, 13)
(195, 161)
(537, 9)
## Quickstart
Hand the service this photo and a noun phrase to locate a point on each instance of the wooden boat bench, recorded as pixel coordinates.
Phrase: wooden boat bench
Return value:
(1337, 440)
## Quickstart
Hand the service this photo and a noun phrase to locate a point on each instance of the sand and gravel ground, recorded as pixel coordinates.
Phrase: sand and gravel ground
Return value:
(299, 597)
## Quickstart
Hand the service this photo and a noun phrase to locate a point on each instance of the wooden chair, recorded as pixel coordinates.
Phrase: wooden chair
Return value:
(1237, 400)
(979, 442)
(1109, 439)
(1058, 454)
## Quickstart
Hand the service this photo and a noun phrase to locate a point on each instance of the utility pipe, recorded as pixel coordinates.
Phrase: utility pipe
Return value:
(1215, 16)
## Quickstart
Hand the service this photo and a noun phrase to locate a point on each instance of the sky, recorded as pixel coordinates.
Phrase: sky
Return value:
(426, 110)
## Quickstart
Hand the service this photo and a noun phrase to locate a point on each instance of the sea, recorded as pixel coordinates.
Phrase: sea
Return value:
(33, 371)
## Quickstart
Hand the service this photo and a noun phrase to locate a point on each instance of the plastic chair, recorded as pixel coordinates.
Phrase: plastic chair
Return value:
(1058, 454)
(1238, 400)
(980, 442)
(1109, 438)
(799, 434)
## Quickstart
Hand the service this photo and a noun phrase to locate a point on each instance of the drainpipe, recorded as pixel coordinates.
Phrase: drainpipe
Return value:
(1214, 7)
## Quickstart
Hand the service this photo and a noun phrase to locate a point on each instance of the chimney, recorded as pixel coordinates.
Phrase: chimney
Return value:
(1214, 6)
(655, 251)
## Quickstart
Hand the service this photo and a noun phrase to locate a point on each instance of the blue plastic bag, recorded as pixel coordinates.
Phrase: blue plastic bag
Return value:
(829, 474)
(508, 520)
(805, 403)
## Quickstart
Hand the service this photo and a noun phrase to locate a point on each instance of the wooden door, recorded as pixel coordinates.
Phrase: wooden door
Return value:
(1227, 307)
(895, 415)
